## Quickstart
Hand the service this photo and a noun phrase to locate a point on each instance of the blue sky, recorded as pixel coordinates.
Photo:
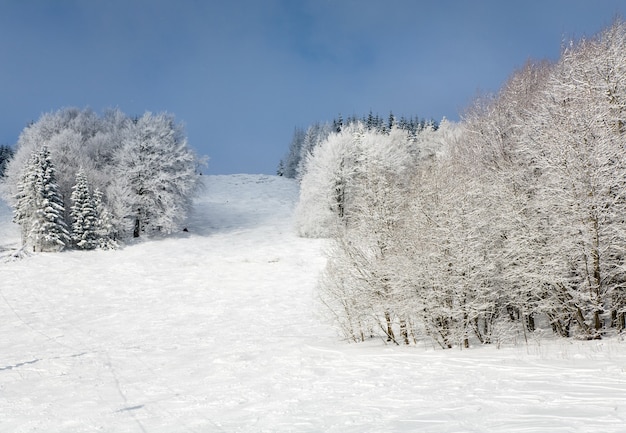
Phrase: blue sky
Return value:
(242, 74)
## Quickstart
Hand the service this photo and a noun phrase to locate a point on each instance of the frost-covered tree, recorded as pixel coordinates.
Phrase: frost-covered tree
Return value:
(315, 134)
(324, 190)
(155, 176)
(83, 214)
(375, 219)
(39, 209)
(301, 146)
(456, 244)
(367, 283)
(494, 142)
(359, 284)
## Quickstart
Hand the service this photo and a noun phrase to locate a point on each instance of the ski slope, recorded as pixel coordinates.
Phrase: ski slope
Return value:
(217, 330)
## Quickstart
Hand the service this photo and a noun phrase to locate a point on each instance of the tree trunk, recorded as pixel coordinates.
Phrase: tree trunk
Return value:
(404, 332)
(597, 280)
(137, 229)
(390, 335)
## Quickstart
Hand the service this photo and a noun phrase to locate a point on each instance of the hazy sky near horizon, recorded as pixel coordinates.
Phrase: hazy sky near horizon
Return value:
(242, 74)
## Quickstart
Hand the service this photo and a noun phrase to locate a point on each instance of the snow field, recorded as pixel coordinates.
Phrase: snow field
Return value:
(217, 330)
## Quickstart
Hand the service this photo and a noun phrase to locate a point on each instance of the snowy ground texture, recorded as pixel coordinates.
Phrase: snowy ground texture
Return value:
(217, 331)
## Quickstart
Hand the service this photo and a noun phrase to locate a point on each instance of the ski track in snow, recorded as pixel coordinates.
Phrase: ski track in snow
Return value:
(216, 330)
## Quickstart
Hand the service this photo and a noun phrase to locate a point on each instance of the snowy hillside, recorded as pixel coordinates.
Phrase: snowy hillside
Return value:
(216, 330)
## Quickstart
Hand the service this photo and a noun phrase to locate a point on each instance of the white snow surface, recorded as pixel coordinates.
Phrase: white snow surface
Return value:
(217, 330)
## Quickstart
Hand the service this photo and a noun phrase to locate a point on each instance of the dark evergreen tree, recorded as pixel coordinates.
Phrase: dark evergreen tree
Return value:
(289, 164)
(370, 121)
(338, 124)
(280, 170)
(391, 121)
(6, 154)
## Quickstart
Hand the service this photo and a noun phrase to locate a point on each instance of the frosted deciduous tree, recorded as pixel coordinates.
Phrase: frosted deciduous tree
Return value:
(324, 190)
(367, 283)
(577, 141)
(553, 137)
(362, 278)
(494, 143)
(417, 252)
(156, 176)
(74, 139)
(315, 135)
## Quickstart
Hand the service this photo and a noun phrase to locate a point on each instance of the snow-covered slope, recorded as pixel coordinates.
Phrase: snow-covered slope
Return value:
(215, 330)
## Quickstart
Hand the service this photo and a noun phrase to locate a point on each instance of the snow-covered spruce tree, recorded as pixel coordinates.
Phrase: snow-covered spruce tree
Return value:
(39, 209)
(105, 236)
(155, 177)
(26, 197)
(83, 214)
